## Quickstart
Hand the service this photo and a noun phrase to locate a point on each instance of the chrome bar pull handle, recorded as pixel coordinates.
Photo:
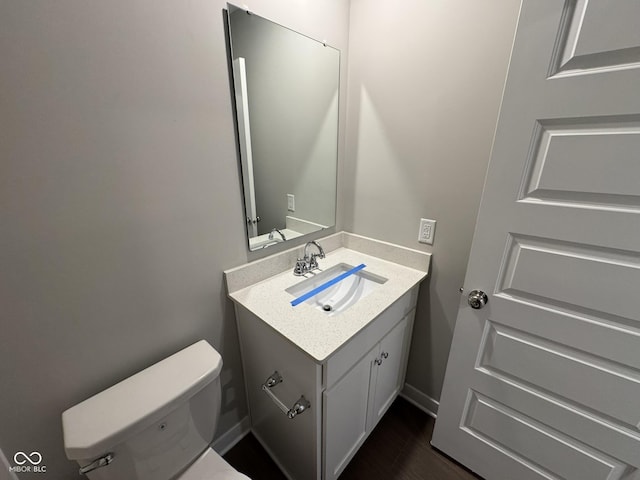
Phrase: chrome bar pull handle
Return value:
(301, 405)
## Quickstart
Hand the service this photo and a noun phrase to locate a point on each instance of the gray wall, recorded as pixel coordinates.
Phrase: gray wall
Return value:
(5, 474)
(120, 199)
(425, 82)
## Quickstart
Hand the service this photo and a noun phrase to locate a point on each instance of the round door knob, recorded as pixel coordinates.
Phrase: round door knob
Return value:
(477, 299)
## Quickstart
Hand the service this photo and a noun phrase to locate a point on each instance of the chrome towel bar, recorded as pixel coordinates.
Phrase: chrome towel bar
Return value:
(300, 406)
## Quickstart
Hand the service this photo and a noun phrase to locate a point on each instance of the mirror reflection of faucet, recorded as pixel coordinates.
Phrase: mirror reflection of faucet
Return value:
(309, 262)
(274, 230)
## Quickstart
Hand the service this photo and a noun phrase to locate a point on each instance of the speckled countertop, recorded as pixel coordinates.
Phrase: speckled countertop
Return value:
(309, 328)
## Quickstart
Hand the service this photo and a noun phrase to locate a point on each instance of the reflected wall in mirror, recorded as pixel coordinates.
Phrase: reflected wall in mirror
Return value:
(286, 93)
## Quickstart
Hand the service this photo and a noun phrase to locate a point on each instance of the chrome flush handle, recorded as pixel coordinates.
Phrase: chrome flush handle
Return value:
(97, 463)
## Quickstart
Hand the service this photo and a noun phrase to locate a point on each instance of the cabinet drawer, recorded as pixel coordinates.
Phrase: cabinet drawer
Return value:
(348, 355)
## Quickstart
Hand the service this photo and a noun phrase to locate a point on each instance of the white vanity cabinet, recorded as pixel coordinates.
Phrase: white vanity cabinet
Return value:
(345, 368)
(348, 392)
(354, 405)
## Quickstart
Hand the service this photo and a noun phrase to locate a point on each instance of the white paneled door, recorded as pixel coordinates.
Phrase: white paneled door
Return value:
(544, 381)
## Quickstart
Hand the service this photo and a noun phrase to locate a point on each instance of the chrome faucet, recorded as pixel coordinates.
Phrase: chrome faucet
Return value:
(311, 258)
(309, 262)
(279, 232)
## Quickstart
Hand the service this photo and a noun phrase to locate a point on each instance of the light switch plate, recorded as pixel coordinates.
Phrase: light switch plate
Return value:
(291, 202)
(427, 231)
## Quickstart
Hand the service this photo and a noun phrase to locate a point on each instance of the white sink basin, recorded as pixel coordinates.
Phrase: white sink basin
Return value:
(338, 295)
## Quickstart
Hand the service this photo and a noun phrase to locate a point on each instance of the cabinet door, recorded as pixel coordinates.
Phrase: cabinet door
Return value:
(345, 416)
(389, 373)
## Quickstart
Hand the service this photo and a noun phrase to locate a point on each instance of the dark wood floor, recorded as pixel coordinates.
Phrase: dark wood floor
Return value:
(398, 448)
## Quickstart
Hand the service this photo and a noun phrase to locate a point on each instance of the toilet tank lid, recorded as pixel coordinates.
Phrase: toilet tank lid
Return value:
(99, 423)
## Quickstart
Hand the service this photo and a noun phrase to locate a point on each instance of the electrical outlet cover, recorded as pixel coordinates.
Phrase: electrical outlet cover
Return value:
(427, 231)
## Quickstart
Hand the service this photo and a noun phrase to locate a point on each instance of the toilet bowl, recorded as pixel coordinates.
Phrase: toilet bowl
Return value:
(155, 425)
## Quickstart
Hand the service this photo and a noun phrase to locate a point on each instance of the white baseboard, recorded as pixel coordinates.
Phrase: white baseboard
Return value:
(5, 473)
(228, 439)
(421, 400)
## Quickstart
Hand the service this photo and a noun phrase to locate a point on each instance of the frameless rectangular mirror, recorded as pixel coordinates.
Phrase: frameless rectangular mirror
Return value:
(286, 92)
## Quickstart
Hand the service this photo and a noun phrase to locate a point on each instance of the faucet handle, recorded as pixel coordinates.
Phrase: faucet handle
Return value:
(301, 267)
(313, 262)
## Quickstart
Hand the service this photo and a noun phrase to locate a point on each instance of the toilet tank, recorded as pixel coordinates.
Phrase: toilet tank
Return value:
(154, 423)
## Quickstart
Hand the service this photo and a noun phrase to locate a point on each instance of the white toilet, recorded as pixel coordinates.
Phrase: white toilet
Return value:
(155, 425)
